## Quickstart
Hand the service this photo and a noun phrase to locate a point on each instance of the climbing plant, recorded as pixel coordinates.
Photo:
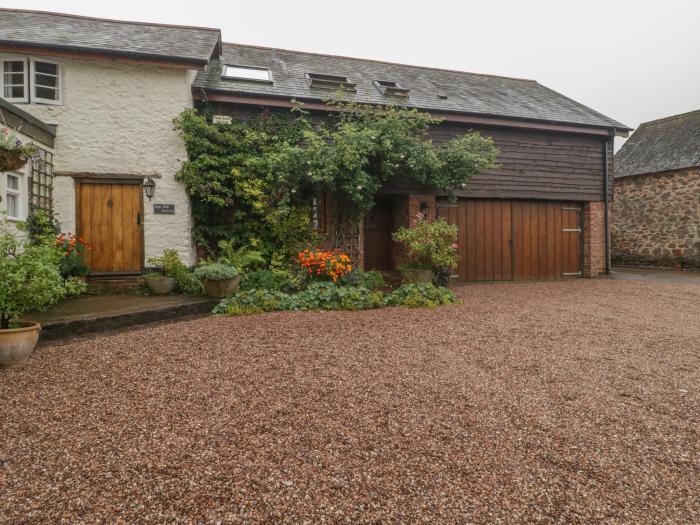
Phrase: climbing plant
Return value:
(252, 182)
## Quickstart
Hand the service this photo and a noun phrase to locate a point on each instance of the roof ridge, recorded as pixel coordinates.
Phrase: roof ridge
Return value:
(111, 20)
(672, 117)
(378, 61)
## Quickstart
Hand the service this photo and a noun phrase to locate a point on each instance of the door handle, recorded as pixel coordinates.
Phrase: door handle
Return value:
(138, 219)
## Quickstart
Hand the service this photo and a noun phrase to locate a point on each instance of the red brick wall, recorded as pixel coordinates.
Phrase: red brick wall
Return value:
(593, 239)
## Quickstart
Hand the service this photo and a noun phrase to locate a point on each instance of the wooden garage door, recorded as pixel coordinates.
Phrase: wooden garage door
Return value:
(110, 220)
(516, 240)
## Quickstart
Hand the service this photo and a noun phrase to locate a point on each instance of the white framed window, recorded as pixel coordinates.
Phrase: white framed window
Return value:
(46, 81)
(15, 87)
(13, 196)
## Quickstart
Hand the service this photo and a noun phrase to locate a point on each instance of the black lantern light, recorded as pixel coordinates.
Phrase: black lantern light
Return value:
(149, 186)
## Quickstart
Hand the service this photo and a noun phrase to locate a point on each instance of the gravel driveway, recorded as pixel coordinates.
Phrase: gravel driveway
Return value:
(552, 402)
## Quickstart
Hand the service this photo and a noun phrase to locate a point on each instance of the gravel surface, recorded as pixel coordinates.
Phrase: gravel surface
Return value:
(570, 402)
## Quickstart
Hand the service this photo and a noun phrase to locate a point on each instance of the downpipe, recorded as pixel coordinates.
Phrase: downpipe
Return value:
(606, 201)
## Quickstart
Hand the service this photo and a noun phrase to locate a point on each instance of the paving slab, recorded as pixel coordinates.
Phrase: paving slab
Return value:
(97, 313)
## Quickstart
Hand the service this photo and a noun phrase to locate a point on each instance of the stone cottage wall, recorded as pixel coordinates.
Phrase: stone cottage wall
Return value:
(656, 217)
(116, 118)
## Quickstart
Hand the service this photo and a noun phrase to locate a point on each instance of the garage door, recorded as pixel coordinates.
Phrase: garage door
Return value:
(516, 240)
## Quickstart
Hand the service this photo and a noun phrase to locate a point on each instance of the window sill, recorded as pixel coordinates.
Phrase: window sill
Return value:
(15, 219)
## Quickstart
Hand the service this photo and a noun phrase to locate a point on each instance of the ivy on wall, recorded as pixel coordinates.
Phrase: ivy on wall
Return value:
(252, 181)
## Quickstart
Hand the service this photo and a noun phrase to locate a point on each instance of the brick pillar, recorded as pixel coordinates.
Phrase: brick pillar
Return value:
(415, 201)
(593, 239)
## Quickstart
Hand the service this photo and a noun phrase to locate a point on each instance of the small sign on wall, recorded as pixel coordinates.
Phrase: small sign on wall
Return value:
(221, 119)
(164, 209)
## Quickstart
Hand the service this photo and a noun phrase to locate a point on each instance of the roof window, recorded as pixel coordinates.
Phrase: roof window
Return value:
(332, 82)
(256, 74)
(391, 88)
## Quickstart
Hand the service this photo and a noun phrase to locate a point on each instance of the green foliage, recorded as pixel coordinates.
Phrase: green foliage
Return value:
(216, 272)
(429, 244)
(372, 280)
(251, 182)
(276, 280)
(74, 250)
(252, 301)
(11, 143)
(242, 258)
(42, 227)
(171, 265)
(30, 278)
(330, 296)
(420, 295)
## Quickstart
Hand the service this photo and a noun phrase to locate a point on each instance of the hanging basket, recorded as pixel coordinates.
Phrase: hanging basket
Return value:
(11, 160)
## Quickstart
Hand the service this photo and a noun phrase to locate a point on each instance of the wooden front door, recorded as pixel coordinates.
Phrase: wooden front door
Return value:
(110, 218)
(378, 227)
(516, 240)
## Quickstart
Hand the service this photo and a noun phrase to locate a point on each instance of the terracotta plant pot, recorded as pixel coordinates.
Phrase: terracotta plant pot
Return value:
(160, 285)
(417, 276)
(10, 160)
(223, 288)
(17, 343)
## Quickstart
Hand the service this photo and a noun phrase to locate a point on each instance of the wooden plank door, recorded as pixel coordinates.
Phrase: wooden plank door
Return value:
(378, 227)
(485, 249)
(110, 218)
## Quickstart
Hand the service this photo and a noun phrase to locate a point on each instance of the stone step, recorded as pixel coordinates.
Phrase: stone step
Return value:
(98, 283)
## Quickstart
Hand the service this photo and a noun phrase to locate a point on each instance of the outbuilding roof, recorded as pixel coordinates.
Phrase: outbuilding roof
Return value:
(65, 32)
(429, 89)
(666, 144)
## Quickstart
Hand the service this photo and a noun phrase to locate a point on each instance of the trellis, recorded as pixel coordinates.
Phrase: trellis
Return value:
(41, 182)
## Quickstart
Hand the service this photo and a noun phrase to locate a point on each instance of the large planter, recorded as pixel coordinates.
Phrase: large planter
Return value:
(417, 276)
(17, 343)
(222, 288)
(160, 285)
(11, 160)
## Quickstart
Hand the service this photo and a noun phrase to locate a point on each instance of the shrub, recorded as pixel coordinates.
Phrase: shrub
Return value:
(42, 227)
(330, 296)
(252, 302)
(429, 244)
(278, 280)
(321, 265)
(171, 265)
(216, 272)
(373, 280)
(417, 295)
(30, 278)
(242, 258)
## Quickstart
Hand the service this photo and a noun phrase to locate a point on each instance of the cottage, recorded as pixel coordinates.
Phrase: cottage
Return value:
(111, 89)
(656, 214)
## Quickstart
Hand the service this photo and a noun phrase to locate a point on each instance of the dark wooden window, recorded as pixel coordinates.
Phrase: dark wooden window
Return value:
(41, 182)
(391, 88)
(330, 82)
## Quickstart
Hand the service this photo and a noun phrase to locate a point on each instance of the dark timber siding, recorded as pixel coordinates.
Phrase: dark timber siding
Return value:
(532, 164)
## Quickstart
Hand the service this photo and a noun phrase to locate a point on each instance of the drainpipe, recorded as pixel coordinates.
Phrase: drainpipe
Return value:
(607, 203)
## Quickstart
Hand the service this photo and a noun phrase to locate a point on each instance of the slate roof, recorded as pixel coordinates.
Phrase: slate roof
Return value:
(468, 93)
(661, 145)
(78, 33)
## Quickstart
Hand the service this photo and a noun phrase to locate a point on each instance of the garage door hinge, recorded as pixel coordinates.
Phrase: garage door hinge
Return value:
(578, 230)
(571, 274)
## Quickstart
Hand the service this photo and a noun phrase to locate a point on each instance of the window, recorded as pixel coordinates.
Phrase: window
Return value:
(391, 88)
(256, 74)
(13, 196)
(46, 82)
(31, 80)
(331, 82)
(318, 213)
(14, 80)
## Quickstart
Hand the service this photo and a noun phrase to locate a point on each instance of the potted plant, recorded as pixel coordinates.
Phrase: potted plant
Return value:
(30, 279)
(158, 281)
(431, 250)
(74, 250)
(171, 273)
(219, 279)
(13, 153)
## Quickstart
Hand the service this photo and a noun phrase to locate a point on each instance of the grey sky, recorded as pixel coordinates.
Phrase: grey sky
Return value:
(633, 60)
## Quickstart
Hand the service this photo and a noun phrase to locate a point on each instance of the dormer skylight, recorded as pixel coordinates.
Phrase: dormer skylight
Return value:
(330, 82)
(391, 88)
(251, 73)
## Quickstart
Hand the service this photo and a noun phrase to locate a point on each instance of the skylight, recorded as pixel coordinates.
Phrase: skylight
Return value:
(256, 74)
(391, 88)
(332, 82)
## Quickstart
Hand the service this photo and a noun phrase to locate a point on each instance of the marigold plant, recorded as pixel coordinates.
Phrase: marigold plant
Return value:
(323, 265)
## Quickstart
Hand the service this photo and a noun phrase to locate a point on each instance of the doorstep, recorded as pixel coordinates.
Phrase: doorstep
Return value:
(97, 313)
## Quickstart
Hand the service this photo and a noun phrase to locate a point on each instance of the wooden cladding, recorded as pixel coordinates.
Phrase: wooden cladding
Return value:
(516, 240)
(110, 218)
